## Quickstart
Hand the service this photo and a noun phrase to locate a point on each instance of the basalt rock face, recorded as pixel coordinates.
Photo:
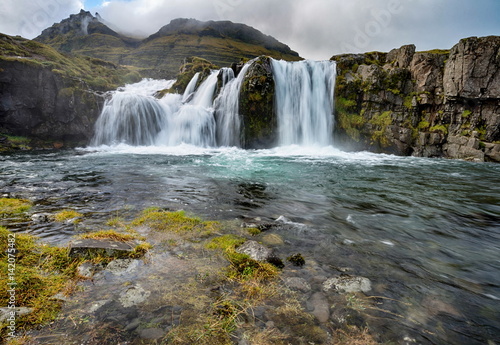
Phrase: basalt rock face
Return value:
(429, 104)
(40, 104)
(50, 98)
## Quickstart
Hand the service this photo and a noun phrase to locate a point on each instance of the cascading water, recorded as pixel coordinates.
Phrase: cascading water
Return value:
(132, 115)
(304, 101)
(190, 87)
(227, 108)
(304, 105)
(193, 123)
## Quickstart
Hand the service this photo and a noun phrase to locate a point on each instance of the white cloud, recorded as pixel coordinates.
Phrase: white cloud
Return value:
(315, 28)
(28, 18)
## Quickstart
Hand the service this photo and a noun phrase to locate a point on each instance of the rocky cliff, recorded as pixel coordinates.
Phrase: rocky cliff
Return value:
(430, 104)
(50, 98)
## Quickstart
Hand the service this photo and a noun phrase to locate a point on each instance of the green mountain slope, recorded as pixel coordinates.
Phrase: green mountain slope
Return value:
(221, 42)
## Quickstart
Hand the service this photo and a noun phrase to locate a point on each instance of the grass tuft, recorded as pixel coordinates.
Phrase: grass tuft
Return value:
(65, 215)
(9, 206)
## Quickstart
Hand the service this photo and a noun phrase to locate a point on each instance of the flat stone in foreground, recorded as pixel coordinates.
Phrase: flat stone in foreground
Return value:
(89, 248)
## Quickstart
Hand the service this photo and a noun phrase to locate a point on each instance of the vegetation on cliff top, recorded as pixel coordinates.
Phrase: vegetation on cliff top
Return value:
(160, 55)
(97, 74)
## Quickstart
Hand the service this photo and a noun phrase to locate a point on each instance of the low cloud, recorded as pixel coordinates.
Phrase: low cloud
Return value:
(28, 18)
(316, 29)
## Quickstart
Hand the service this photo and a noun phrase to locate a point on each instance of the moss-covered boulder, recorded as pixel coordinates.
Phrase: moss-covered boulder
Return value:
(257, 106)
(188, 69)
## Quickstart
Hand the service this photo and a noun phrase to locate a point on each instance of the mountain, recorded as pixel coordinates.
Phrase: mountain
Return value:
(159, 55)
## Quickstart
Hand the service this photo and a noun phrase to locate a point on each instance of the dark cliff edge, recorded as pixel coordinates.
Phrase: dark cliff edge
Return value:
(427, 104)
(51, 99)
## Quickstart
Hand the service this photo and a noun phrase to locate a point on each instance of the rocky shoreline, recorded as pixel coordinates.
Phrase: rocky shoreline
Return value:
(192, 286)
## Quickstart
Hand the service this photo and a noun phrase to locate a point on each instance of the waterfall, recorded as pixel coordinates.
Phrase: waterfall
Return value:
(227, 108)
(304, 101)
(192, 123)
(132, 116)
(190, 87)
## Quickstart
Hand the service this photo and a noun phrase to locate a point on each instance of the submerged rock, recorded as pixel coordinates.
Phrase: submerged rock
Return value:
(297, 283)
(133, 296)
(319, 306)
(89, 248)
(255, 250)
(259, 252)
(347, 284)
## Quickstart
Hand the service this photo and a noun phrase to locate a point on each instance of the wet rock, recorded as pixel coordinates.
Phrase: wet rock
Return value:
(133, 296)
(272, 240)
(297, 283)
(39, 218)
(255, 250)
(86, 270)
(318, 304)
(60, 297)
(133, 325)
(89, 248)
(97, 305)
(347, 284)
(122, 266)
(6, 313)
(262, 226)
(152, 333)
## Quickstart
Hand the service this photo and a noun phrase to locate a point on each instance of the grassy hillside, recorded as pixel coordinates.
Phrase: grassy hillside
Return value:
(160, 55)
(96, 73)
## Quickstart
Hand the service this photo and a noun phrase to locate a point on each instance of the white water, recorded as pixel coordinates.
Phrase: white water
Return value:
(227, 107)
(190, 87)
(304, 102)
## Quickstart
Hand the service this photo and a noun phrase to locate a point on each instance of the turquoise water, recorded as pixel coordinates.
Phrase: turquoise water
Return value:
(425, 232)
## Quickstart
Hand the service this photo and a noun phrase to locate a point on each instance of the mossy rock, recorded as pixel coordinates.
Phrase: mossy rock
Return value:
(257, 106)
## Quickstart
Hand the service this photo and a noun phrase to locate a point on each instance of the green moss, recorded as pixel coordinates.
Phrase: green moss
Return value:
(109, 235)
(225, 242)
(41, 271)
(177, 222)
(346, 104)
(381, 121)
(254, 231)
(440, 129)
(66, 92)
(65, 215)
(98, 74)
(423, 125)
(437, 51)
(192, 66)
(9, 207)
(408, 102)
(466, 113)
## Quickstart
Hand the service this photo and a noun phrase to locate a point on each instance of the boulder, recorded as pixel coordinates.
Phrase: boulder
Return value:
(255, 250)
(259, 119)
(347, 284)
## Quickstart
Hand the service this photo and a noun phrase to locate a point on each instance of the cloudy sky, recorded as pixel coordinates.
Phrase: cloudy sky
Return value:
(317, 29)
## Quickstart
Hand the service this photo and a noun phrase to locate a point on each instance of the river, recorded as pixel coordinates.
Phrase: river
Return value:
(426, 232)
